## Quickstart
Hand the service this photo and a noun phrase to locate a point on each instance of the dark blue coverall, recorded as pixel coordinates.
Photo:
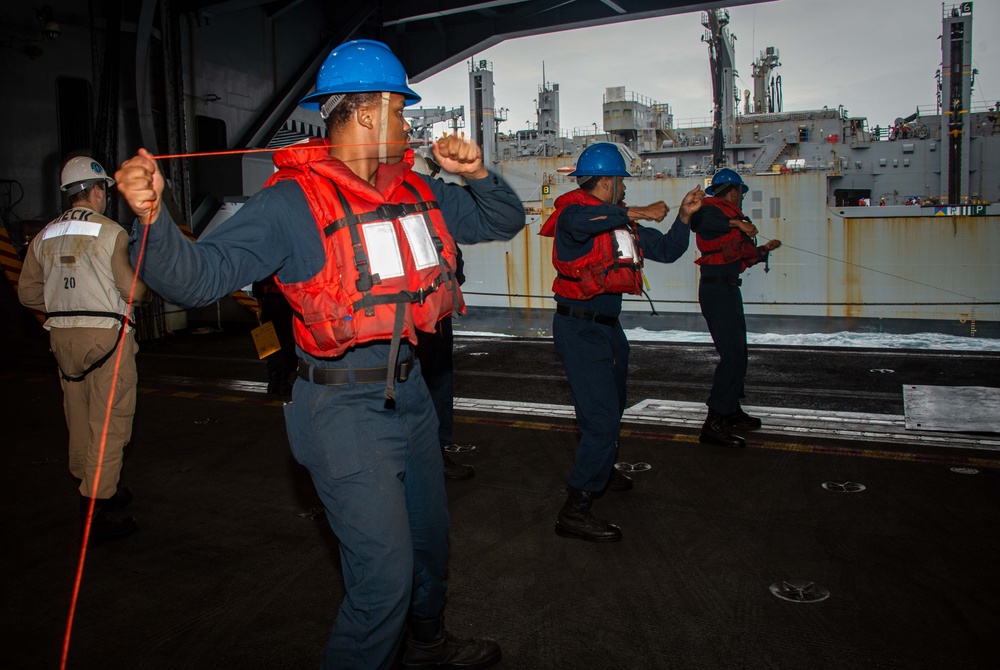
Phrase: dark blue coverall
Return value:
(378, 469)
(595, 354)
(722, 306)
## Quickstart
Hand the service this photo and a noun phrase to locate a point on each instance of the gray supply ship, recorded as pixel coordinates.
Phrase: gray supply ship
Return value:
(892, 229)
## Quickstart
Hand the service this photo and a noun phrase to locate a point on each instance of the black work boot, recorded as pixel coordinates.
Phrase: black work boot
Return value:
(740, 419)
(619, 481)
(104, 527)
(429, 645)
(120, 500)
(715, 431)
(576, 521)
(453, 470)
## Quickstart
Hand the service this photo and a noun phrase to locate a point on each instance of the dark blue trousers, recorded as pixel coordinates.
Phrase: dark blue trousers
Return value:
(595, 358)
(722, 307)
(380, 475)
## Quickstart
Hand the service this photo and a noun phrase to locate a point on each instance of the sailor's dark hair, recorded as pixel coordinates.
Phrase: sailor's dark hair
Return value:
(348, 106)
(588, 182)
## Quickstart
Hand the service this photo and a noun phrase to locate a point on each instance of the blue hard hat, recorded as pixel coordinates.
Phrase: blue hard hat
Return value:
(600, 160)
(360, 66)
(724, 177)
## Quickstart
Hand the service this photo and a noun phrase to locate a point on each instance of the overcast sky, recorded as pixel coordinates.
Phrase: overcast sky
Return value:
(875, 57)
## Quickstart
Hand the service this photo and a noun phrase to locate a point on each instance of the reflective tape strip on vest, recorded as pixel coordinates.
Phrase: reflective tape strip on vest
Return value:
(612, 265)
(380, 257)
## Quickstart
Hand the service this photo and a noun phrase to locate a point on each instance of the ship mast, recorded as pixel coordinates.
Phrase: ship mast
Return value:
(482, 109)
(547, 114)
(721, 47)
(766, 89)
(956, 94)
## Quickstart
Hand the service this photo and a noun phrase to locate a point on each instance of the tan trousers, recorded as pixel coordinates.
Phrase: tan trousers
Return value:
(86, 404)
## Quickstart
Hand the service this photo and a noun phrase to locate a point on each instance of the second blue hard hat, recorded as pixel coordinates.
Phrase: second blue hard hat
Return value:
(360, 66)
(725, 177)
(600, 160)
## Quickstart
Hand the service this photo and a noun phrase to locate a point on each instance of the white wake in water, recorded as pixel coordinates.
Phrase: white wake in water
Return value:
(928, 341)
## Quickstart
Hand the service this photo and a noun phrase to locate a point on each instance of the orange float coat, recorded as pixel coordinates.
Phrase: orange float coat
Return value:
(390, 260)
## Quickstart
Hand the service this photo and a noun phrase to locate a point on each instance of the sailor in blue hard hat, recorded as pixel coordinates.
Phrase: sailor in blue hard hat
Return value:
(723, 179)
(364, 249)
(365, 72)
(604, 160)
(598, 253)
(365, 75)
(725, 236)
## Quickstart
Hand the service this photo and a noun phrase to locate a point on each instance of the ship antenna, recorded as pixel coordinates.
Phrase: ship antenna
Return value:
(720, 60)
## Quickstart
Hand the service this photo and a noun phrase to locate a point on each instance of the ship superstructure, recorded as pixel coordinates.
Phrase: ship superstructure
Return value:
(883, 228)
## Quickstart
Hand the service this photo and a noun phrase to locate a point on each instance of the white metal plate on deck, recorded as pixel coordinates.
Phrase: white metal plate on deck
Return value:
(799, 420)
(960, 409)
(857, 427)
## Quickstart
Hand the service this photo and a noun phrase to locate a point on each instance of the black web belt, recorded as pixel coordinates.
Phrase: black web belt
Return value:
(344, 376)
(732, 281)
(125, 321)
(588, 314)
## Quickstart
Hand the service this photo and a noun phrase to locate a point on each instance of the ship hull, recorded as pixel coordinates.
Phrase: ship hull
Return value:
(895, 268)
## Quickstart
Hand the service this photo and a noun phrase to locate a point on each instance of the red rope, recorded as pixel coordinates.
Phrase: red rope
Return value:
(236, 152)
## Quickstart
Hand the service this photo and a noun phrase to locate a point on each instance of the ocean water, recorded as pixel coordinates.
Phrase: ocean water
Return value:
(928, 341)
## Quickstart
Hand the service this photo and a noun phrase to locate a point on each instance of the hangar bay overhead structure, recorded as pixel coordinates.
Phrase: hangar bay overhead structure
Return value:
(432, 35)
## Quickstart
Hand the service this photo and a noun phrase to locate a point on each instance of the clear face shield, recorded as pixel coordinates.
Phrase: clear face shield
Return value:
(618, 193)
(383, 130)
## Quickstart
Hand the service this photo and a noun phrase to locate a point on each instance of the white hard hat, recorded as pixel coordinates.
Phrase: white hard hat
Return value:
(81, 172)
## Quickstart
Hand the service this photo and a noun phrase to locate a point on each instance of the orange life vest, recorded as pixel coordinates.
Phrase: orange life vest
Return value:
(390, 260)
(729, 247)
(613, 264)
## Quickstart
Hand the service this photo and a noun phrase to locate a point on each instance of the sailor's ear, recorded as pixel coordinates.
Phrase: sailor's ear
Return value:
(365, 116)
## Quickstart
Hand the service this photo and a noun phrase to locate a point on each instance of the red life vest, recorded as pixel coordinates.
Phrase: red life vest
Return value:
(729, 247)
(390, 260)
(613, 264)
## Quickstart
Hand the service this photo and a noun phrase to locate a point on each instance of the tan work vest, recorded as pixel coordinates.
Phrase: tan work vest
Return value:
(75, 252)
